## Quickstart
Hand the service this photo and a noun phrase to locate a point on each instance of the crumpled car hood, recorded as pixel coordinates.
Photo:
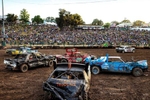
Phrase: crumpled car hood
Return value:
(66, 88)
(15, 60)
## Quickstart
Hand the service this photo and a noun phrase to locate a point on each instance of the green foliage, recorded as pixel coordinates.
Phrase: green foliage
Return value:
(125, 21)
(66, 19)
(138, 23)
(106, 25)
(50, 19)
(24, 16)
(37, 19)
(11, 18)
(97, 22)
(115, 22)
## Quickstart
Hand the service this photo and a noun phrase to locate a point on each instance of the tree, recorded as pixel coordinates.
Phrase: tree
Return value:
(11, 18)
(37, 19)
(24, 16)
(115, 22)
(74, 20)
(97, 22)
(138, 23)
(50, 19)
(125, 21)
(60, 19)
(66, 19)
(106, 25)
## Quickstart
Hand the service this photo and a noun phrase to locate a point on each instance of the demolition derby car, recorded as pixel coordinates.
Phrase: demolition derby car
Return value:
(124, 49)
(116, 64)
(68, 82)
(20, 50)
(25, 61)
(71, 55)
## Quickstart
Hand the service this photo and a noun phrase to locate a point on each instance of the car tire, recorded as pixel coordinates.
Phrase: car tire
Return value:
(95, 70)
(10, 53)
(64, 60)
(133, 51)
(50, 63)
(47, 95)
(137, 72)
(24, 68)
(123, 51)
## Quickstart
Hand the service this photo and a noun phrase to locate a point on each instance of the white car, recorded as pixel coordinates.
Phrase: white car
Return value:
(124, 49)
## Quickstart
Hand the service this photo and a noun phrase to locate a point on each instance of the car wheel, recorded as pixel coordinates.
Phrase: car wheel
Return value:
(123, 51)
(133, 51)
(24, 68)
(50, 63)
(47, 95)
(137, 72)
(95, 70)
(10, 53)
(64, 60)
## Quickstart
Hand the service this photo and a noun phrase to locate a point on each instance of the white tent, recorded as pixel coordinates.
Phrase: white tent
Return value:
(50, 23)
(124, 24)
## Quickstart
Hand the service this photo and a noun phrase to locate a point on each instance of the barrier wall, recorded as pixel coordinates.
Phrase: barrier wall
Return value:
(70, 46)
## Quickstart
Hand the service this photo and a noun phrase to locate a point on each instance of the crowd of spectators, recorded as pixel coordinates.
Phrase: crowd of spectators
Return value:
(50, 35)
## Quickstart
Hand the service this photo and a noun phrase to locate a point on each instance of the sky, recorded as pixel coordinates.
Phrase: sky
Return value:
(105, 10)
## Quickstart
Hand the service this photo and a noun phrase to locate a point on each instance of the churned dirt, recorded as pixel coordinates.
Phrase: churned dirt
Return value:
(15, 85)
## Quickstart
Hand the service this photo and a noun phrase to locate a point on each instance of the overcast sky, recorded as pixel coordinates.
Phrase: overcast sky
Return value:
(105, 10)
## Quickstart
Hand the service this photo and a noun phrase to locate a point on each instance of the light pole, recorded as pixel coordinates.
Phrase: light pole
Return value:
(3, 27)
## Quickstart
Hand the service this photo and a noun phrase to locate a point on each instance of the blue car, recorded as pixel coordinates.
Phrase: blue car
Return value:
(116, 64)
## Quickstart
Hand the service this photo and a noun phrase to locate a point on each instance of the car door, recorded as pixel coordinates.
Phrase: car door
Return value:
(116, 65)
(41, 59)
(129, 49)
(33, 61)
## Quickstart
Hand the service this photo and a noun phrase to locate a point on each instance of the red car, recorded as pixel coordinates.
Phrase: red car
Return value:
(72, 55)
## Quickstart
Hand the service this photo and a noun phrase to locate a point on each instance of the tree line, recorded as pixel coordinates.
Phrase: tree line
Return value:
(65, 19)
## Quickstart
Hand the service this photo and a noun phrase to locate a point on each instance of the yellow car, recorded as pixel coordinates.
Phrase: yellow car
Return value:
(14, 51)
(19, 51)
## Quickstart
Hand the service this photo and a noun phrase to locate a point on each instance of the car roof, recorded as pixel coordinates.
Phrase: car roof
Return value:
(111, 56)
(74, 67)
(71, 69)
(125, 46)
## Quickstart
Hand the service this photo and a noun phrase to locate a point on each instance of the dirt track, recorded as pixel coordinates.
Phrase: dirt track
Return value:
(15, 85)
